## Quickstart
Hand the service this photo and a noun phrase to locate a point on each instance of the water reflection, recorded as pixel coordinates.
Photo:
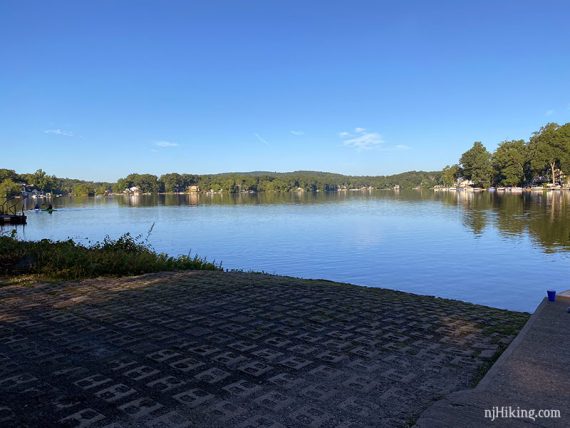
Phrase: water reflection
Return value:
(545, 217)
(480, 247)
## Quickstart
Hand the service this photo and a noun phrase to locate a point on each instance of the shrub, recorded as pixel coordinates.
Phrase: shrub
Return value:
(68, 259)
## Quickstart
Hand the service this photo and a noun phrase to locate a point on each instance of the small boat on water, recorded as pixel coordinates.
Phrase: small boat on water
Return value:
(500, 189)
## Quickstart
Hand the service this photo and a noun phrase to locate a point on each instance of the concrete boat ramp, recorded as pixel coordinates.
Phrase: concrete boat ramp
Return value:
(230, 349)
(531, 376)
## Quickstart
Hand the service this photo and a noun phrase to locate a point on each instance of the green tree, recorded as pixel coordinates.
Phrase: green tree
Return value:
(509, 162)
(83, 189)
(450, 174)
(102, 189)
(147, 183)
(173, 182)
(8, 174)
(563, 138)
(43, 181)
(550, 150)
(9, 188)
(476, 165)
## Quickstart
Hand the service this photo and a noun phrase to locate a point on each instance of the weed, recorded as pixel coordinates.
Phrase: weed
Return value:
(63, 260)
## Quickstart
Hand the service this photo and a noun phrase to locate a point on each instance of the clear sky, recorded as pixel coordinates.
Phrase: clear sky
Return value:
(97, 89)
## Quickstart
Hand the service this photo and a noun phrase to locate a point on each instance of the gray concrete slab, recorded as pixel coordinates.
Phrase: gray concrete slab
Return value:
(219, 349)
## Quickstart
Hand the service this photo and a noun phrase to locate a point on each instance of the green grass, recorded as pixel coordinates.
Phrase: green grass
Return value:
(65, 260)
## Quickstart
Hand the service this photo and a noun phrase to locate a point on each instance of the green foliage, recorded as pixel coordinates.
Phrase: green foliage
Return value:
(476, 165)
(278, 182)
(450, 174)
(10, 174)
(9, 188)
(545, 156)
(509, 162)
(147, 183)
(102, 189)
(41, 181)
(83, 189)
(174, 182)
(306, 180)
(69, 260)
(515, 163)
(550, 150)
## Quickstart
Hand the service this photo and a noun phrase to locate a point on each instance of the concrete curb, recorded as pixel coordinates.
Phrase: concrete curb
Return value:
(521, 377)
(488, 378)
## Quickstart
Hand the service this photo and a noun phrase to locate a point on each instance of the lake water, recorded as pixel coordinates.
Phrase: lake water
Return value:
(497, 250)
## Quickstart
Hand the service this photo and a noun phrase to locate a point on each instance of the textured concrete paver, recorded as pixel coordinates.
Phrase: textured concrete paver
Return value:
(233, 349)
(532, 374)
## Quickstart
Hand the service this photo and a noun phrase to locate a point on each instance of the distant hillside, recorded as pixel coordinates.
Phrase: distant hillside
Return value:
(260, 181)
(254, 181)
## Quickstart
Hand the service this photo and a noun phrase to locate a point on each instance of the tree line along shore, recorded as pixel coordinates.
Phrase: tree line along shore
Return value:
(542, 160)
(12, 184)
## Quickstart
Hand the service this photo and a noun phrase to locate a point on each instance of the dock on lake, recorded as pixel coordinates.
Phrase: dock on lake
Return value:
(10, 212)
(13, 219)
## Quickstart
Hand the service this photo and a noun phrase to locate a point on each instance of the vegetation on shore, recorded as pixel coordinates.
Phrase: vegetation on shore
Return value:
(65, 260)
(544, 158)
(310, 181)
(11, 182)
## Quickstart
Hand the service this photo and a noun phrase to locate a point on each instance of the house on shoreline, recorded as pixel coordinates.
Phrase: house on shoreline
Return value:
(134, 190)
(193, 189)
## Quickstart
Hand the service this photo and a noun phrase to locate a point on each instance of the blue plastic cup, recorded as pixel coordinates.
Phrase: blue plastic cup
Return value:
(551, 295)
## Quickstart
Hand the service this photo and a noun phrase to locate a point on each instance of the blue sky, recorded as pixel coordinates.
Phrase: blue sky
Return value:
(98, 89)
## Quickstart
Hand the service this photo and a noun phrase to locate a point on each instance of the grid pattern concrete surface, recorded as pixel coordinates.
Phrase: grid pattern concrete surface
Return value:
(221, 349)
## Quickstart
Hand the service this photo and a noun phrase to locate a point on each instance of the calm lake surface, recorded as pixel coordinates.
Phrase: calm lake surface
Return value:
(499, 250)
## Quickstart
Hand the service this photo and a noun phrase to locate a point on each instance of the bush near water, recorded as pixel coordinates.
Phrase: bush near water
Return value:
(63, 260)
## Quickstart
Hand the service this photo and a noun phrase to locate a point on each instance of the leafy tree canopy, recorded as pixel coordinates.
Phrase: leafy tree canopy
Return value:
(476, 165)
(509, 162)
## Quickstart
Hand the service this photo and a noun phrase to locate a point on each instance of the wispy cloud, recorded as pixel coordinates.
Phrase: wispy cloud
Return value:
(61, 132)
(549, 112)
(361, 139)
(297, 133)
(260, 139)
(165, 144)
